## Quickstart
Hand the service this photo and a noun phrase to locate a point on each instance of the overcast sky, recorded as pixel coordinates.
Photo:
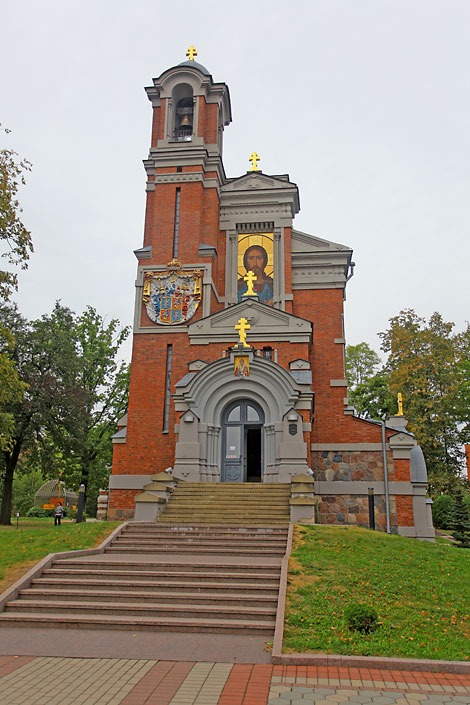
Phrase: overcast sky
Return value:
(364, 103)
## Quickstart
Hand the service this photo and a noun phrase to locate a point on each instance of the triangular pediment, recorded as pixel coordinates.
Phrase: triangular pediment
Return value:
(258, 181)
(303, 242)
(267, 324)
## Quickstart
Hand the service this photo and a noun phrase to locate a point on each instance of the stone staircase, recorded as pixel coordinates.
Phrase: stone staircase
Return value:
(248, 503)
(166, 577)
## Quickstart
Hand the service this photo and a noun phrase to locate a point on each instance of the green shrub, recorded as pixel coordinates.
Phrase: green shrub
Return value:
(39, 512)
(361, 618)
(442, 511)
(460, 520)
(25, 486)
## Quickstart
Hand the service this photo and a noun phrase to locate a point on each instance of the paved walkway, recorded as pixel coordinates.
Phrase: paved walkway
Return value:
(39, 680)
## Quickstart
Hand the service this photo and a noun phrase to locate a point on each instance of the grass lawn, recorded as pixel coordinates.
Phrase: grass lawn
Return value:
(420, 590)
(21, 548)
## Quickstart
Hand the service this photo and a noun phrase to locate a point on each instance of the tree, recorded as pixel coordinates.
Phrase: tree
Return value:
(372, 398)
(11, 389)
(442, 511)
(361, 363)
(423, 365)
(25, 486)
(460, 520)
(105, 383)
(368, 388)
(46, 361)
(463, 372)
(15, 238)
(76, 392)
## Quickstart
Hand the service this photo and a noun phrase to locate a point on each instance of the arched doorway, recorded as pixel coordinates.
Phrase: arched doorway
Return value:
(242, 442)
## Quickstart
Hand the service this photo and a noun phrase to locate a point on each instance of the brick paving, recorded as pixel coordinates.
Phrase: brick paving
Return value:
(104, 681)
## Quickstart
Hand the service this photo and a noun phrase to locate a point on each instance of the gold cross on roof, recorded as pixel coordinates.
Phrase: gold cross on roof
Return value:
(242, 327)
(254, 158)
(191, 53)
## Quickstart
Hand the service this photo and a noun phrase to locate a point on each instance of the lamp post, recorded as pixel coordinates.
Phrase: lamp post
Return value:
(81, 504)
(371, 509)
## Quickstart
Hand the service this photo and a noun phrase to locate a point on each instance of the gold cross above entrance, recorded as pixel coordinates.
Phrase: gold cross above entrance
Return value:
(242, 327)
(191, 53)
(254, 158)
(250, 278)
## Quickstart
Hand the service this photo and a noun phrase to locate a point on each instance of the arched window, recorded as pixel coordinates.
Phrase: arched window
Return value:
(183, 113)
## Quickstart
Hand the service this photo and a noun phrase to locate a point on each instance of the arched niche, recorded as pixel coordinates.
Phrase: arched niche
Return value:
(182, 114)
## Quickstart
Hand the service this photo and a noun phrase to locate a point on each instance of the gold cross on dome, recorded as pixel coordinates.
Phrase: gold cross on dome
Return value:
(250, 278)
(254, 158)
(191, 53)
(242, 327)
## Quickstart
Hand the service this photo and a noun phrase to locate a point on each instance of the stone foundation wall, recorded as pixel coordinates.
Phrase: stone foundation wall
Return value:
(366, 466)
(354, 510)
(347, 507)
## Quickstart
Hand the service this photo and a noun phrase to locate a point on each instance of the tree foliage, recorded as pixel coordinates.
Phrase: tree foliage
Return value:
(75, 393)
(430, 365)
(425, 364)
(106, 387)
(361, 364)
(11, 389)
(372, 399)
(460, 520)
(15, 238)
(25, 486)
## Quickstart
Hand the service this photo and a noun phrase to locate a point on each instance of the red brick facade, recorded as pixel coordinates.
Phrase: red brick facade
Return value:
(339, 447)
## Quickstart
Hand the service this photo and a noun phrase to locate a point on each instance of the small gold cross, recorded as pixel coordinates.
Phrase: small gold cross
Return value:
(250, 278)
(400, 404)
(242, 327)
(254, 158)
(191, 53)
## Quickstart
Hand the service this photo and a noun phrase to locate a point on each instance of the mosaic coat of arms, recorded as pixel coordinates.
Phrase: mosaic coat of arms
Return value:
(172, 297)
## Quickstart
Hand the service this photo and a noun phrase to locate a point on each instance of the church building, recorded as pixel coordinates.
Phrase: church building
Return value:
(238, 363)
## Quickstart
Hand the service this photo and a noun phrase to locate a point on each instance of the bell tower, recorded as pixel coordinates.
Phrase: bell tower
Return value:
(184, 166)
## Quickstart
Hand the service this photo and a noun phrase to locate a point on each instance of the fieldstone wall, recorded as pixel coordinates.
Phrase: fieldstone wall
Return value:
(353, 509)
(365, 466)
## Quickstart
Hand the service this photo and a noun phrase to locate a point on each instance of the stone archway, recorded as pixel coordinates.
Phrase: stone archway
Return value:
(203, 396)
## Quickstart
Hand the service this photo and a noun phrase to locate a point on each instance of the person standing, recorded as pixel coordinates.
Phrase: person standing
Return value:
(59, 513)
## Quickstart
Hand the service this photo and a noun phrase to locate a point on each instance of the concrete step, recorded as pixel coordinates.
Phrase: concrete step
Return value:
(225, 584)
(181, 519)
(191, 518)
(266, 578)
(236, 485)
(229, 514)
(199, 540)
(193, 549)
(154, 609)
(156, 530)
(135, 623)
(132, 569)
(193, 597)
(234, 501)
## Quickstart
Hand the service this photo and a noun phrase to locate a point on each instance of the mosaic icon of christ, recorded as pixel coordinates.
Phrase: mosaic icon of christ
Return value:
(255, 259)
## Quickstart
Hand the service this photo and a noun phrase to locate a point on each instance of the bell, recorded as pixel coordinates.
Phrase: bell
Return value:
(186, 122)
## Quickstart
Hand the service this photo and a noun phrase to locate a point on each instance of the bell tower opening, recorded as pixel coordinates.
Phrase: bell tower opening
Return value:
(183, 113)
